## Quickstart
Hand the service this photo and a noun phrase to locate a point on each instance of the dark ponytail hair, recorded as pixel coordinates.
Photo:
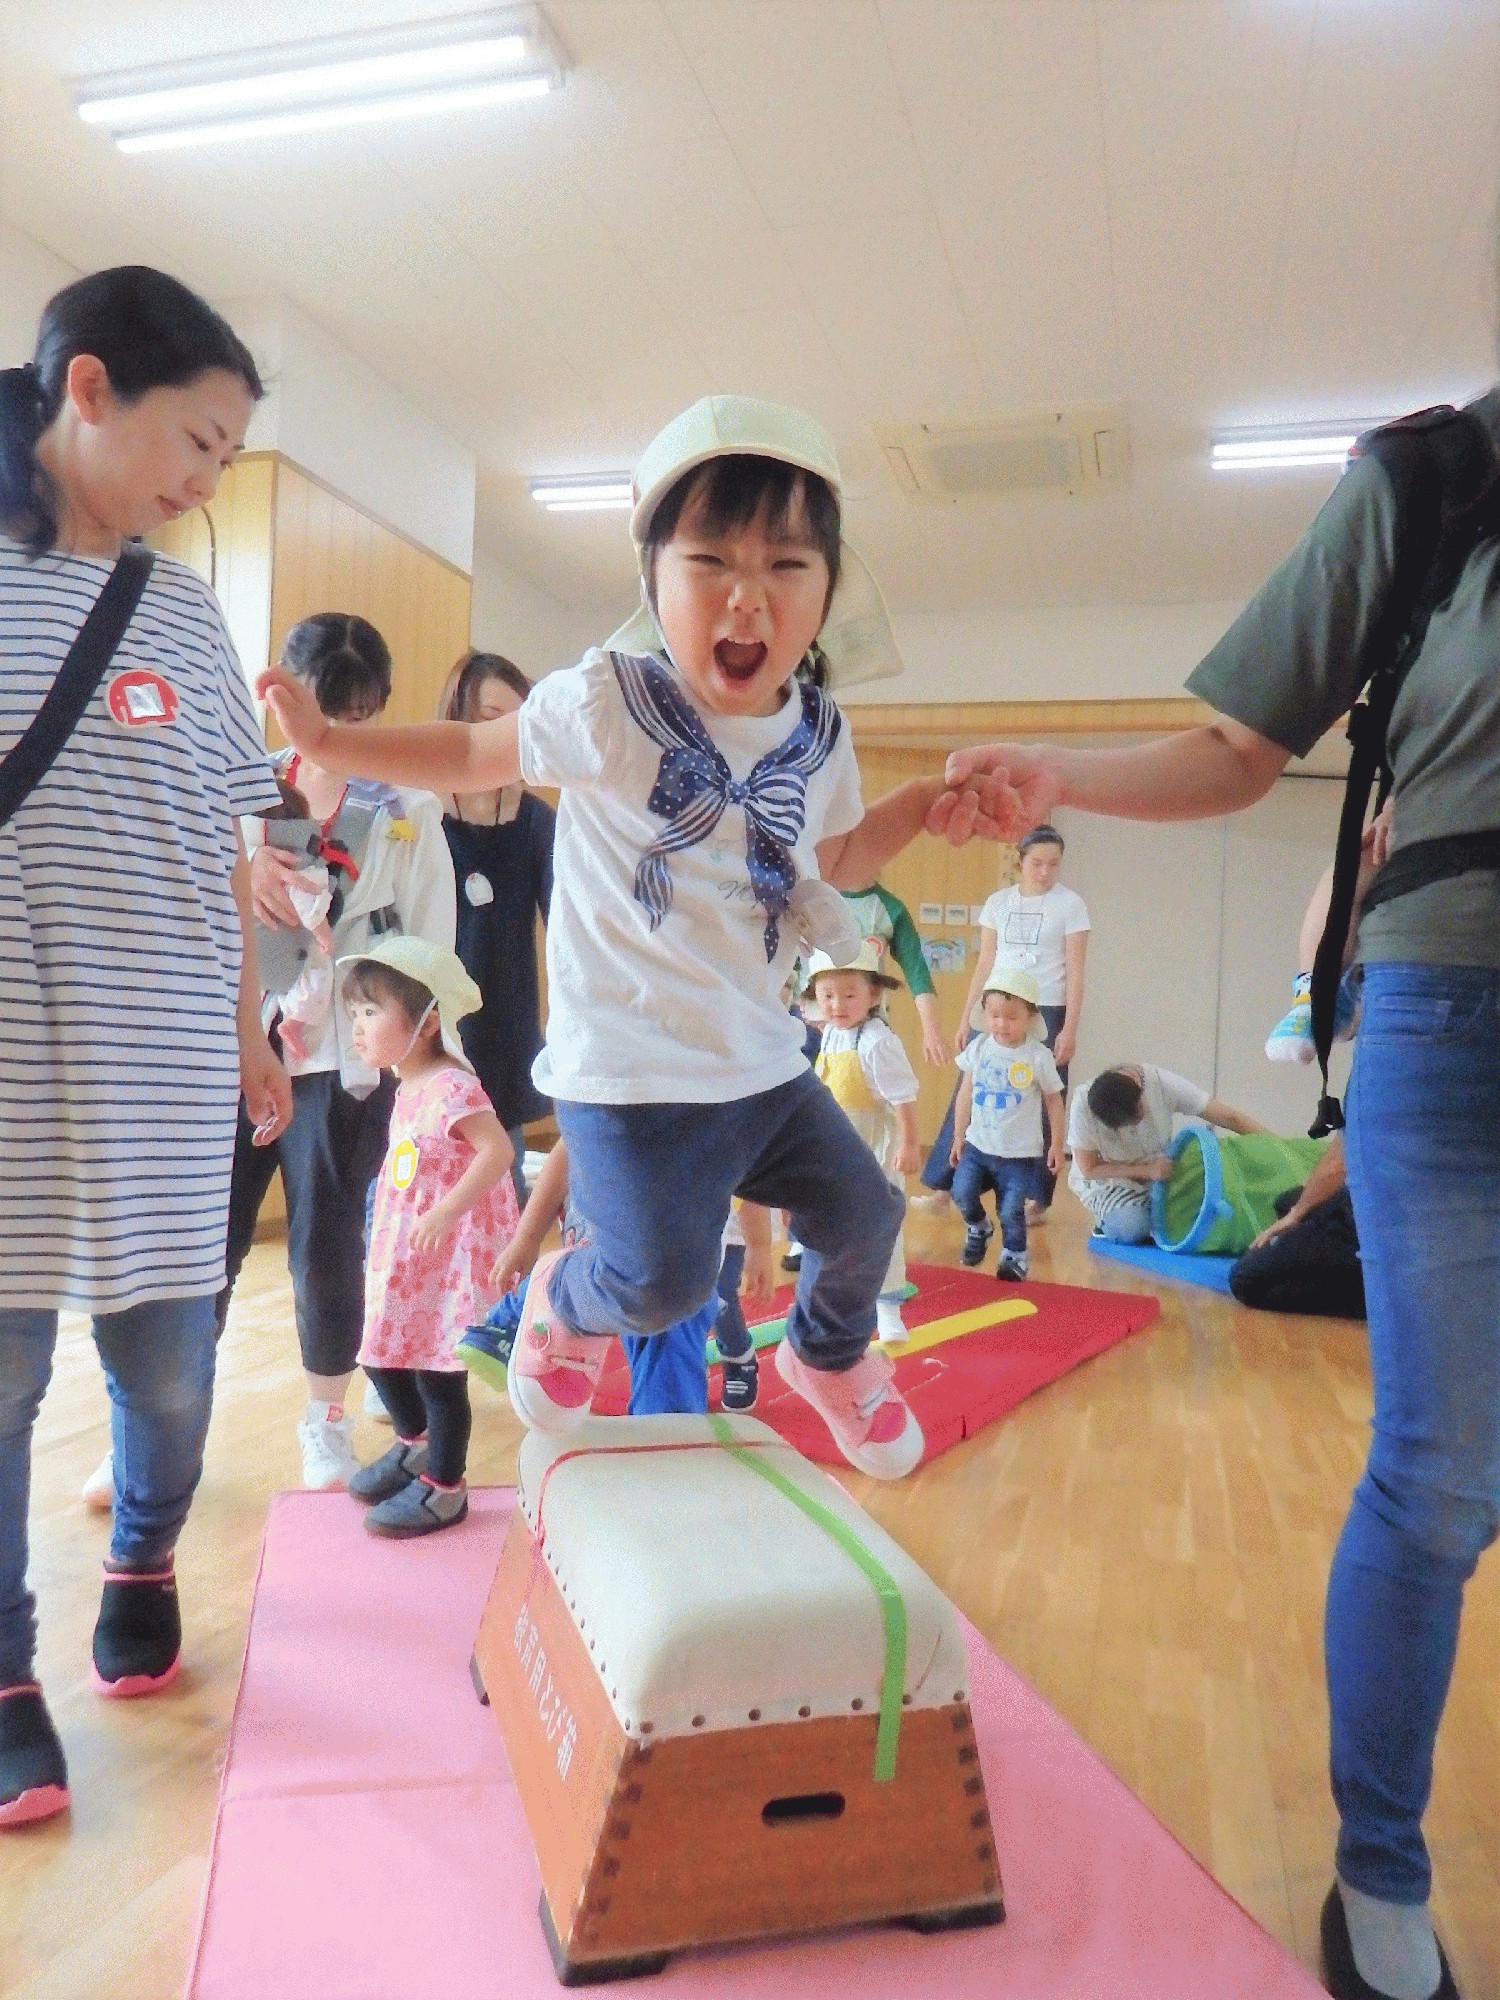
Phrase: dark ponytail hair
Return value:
(148, 330)
(344, 661)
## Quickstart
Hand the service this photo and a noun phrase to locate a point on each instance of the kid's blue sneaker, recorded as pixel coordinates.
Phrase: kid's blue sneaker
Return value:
(485, 1350)
(1291, 1040)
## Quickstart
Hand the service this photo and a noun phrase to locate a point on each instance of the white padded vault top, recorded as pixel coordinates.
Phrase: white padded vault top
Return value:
(703, 1593)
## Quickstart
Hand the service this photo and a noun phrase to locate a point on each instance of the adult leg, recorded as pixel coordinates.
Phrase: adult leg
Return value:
(27, 1340)
(1424, 1173)
(1052, 1020)
(740, 1366)
(1121, 1210)
(252, 1174)
(938, 1172)
(1313, 1267)
(159, 1364)
(517, 1137)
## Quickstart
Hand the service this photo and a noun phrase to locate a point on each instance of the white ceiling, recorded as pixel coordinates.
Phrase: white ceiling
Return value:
(1215, 212)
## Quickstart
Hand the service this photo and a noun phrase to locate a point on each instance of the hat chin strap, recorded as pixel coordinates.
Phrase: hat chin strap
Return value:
(416, 1031)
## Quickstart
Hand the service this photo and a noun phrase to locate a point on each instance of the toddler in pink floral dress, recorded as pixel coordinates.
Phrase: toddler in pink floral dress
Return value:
(444, 1207)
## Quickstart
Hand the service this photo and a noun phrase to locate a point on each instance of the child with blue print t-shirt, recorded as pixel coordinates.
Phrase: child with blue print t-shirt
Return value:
(1009, 1079)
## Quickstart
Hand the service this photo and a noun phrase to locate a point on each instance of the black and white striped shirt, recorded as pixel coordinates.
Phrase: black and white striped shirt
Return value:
(120, 950)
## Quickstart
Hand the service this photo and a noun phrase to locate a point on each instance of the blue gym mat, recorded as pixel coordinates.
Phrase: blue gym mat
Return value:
(1212, 1273)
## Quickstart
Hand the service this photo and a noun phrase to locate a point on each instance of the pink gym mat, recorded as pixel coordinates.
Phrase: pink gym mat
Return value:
(370, 1846)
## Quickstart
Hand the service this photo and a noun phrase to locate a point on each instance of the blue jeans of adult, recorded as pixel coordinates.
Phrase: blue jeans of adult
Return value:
(939, 1169)
(655, 1182)
(1423, 1148)
(1015, 1183)
(159, 1365)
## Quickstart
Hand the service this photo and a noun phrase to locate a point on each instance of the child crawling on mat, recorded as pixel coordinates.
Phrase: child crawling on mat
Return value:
(709, 792)
(668, 1371)
(1009, 1079)
(443, 1200)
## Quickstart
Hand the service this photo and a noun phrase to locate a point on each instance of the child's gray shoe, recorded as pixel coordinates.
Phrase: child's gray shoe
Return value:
(420, 1508)
(1012, 1264)
(393, 1470)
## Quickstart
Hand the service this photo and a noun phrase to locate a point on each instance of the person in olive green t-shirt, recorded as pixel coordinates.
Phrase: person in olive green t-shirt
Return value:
(1422, 1146)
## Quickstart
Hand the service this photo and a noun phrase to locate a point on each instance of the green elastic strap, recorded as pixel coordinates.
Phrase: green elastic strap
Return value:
(887, 1590)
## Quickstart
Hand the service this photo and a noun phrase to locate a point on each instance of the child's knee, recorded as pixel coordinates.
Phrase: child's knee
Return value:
(673, 1287)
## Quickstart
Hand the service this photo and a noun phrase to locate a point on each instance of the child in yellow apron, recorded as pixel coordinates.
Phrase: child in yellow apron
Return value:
(864, 1065)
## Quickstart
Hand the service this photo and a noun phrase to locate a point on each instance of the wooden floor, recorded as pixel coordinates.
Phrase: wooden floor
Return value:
(1147, 1540)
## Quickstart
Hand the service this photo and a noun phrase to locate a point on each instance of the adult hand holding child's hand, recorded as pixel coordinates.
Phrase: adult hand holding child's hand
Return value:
(997, 791)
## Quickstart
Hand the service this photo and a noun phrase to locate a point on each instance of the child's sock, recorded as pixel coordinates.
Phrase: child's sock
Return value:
(740, 1383)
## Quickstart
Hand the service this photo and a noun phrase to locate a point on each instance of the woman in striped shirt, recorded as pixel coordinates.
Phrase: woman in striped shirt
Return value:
(129, 1007)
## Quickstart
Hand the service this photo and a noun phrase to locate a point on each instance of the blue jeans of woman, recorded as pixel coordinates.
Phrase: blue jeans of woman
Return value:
(938, 1172)
(1423, 1146)
(159, 1365)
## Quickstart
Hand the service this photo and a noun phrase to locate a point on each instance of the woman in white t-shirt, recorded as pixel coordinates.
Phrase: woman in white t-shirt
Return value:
(1041, 928)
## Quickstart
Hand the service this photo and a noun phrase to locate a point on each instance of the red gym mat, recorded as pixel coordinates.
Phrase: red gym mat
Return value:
(370, 1846)
(970, 1374)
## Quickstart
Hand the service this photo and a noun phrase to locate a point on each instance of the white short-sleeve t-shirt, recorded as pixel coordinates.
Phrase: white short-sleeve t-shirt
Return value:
(1165, 1096)
(1031, 931)
(662, 983)
(884, 1061)
(1009, 1085)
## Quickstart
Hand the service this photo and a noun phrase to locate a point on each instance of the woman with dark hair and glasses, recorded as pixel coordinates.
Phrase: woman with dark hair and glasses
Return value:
(501, 844)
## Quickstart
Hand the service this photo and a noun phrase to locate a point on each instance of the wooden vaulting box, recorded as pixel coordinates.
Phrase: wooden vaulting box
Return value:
(733, 1707)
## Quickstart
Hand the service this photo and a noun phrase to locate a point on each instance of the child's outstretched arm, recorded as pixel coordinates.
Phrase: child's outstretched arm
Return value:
(852, 860)
(541, 1211)
(433, 756)
(493, 1154)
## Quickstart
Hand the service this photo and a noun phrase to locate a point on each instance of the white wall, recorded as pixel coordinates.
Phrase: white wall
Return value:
(513, 616)
(349, 427)
(1078, 654)
(1194, 942)
(29, 275)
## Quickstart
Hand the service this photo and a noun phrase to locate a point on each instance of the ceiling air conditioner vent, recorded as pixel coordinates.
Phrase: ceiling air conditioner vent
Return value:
(1053, 451)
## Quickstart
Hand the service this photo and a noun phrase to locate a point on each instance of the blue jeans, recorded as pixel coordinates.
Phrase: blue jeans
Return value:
(938, 1173)
(655, 1182)
(159, 1365)
(1015, 1183)
(1423, 1147)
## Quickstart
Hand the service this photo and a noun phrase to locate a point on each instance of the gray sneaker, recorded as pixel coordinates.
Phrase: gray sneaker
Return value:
(389, 1473)
(418, 1509)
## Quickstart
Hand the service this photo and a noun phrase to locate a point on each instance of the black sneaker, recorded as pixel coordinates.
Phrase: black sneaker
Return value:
(420, 1508)
(394, 1469)
(792, 1261)
(1342, 1975)
(976, 1242)
(33, 1770)
(138, 1637)
(741, 1384)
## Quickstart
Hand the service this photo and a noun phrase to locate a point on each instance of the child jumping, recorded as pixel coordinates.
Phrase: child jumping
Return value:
(707, 784)
(865, 1067)
(1009, 1074)
(443, 1201)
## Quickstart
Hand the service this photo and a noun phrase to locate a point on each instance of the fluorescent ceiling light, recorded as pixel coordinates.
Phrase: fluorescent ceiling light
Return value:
(593, 492)
(477, 60)
(1277, 451)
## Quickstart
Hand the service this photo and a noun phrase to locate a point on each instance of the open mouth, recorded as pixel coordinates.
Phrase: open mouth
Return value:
(740, 659)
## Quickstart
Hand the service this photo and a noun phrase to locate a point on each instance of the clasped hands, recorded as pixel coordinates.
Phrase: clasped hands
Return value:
(997, 791)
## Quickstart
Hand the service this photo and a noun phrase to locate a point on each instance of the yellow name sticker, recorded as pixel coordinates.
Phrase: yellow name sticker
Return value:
(404, 1165)
(1021, 1076)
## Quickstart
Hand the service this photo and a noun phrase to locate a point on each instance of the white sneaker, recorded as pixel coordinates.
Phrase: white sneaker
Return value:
(99, 1488)
(375, 1410)
(890, 1327)
(326, 1436)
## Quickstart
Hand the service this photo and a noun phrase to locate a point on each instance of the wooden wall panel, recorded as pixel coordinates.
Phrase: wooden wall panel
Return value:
(236, 559)
(330, 556)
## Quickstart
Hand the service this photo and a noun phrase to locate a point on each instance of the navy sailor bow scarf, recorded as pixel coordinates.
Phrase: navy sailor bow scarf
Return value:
(694, 785)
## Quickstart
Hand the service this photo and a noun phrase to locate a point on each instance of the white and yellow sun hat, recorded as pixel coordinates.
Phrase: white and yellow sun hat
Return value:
(856, 639)
(1012, 980)
(871, 960)
(441, 972)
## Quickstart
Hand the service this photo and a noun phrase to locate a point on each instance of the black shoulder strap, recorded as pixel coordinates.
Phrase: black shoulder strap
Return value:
(1443, 472)
(33, 754)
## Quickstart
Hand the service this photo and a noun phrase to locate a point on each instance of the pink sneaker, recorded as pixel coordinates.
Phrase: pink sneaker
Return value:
(552, 1371)
(864, 1409)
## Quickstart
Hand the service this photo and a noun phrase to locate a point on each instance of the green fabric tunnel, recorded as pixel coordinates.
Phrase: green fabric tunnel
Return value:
(1224, 1188)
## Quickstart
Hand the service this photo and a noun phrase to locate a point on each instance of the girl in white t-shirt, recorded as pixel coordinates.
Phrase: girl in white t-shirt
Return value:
(861, 1060)
(707, 784)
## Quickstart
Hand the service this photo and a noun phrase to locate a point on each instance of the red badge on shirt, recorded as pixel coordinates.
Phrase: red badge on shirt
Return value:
(142, 700)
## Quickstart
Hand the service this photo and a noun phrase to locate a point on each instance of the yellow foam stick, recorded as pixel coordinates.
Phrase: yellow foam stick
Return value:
(955, 1325)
